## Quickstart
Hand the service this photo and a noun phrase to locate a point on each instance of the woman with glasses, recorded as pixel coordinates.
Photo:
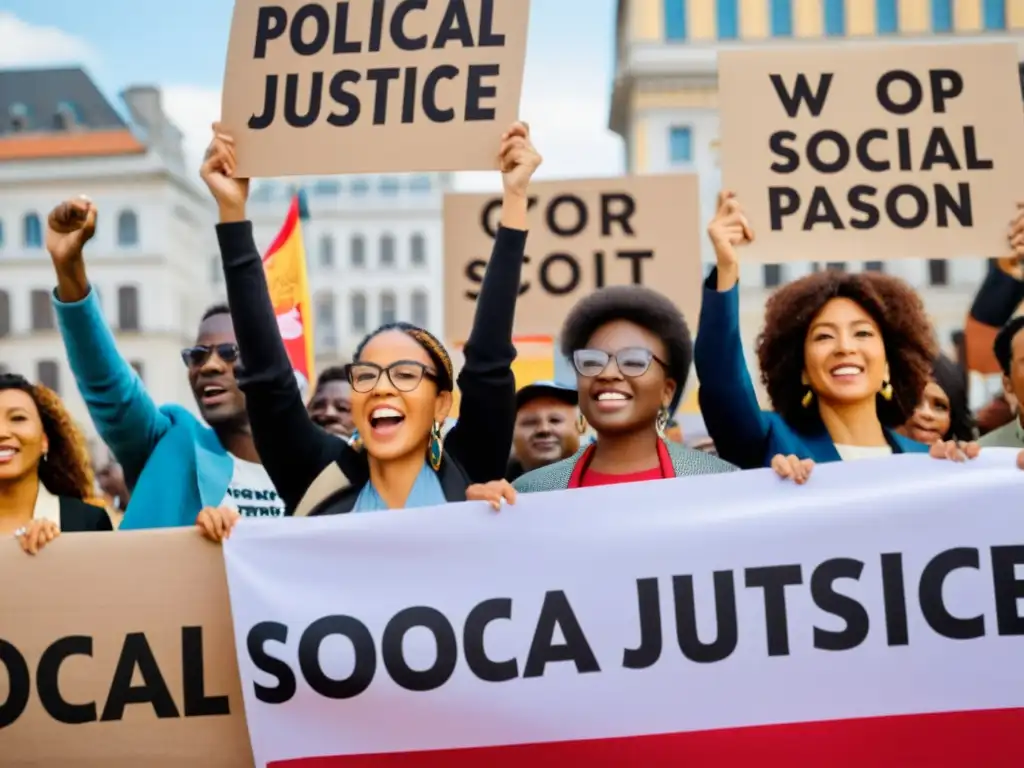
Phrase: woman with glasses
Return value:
(401, 376)
(632, 352)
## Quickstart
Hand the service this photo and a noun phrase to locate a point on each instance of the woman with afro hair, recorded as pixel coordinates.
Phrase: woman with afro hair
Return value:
(845, 359)
(46, 482)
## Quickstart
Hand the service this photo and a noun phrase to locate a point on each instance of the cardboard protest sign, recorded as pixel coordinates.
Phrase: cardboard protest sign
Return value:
(116, 650)
(876, 152)
(584, 234)
(370, 87)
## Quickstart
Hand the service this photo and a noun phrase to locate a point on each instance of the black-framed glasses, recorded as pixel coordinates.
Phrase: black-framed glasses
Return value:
(632, 361)
(404, 375)
(193, 357)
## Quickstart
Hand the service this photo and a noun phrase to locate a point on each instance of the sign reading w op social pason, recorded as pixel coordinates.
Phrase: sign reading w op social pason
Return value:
(862, 151)
(871, 617)
(372, 86)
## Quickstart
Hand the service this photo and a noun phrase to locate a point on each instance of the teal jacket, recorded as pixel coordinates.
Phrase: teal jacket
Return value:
(174, 464)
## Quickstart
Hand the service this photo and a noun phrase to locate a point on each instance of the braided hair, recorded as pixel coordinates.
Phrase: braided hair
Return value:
(434, 348)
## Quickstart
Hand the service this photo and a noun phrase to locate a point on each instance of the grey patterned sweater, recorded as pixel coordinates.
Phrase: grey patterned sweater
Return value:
(555, 477)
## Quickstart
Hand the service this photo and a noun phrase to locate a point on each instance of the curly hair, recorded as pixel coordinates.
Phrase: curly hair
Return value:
(67, 470)
(950, 378)
(910, 346)
(639, 305)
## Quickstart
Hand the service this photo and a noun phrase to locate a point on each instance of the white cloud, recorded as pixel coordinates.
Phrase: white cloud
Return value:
(23, 44)
(193, 110)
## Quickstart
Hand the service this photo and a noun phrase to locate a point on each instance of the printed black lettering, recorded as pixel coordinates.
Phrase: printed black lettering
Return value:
(883, 92)
(599, 269)
(846, 608)
(842, 151)
(933, 607)
(402, 41)
(773, 580)
(271, 22)
(946, 84)
(409, 96)
(777, 144)
(342, 44)
(137, 655)
(434, 113)
(487, 38)
(255, 643)
(580, 217)
(261, 121)
(376, 26)
(637, 259)
(557, 613)
(566, 286)
(321, 29)
(801, 93)
(864, 150)
(856, 200)
(649, 606)
(939, 151)
(382, 78)
(455, 26)
(345, 99)
(291, 101)
(193, 678)
(48, 681)
(475, 274)
(727, 632)
(782, 202)
(974, 163)
(362, 646)
(1009, 590)
(821, 210)
(19, 684)
(476, 91)
(617, 208)
(894, 595)
(438, 673)
(479, 663)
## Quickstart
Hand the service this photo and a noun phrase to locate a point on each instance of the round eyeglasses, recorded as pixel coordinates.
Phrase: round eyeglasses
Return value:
(631, 362)
(404, 375)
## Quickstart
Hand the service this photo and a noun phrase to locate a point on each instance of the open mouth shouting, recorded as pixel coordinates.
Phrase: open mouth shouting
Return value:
(213, 394)
(385, 421)
(611, 400)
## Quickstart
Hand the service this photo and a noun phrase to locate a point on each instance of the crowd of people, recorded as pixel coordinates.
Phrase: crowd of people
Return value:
(849, 361)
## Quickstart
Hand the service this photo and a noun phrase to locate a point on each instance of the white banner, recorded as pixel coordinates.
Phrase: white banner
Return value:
(647, 624)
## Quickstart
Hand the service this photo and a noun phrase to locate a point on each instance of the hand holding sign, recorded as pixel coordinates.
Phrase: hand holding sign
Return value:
(518, 159)
(728, 229)
(1013, 265)
(218, 171)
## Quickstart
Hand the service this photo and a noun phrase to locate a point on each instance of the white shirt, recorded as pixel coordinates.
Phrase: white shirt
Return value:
(250, 491)
(853, 452)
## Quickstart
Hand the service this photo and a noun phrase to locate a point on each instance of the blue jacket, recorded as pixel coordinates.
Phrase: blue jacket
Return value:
(745, 435)
(174, 464)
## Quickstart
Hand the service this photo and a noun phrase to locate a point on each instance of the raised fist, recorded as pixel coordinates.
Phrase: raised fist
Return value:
(68, 228)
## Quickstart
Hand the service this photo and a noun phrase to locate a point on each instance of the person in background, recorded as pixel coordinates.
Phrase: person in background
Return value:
(174, 463)
(110, 481)
(548, 427)
(331, 404)
(942, 413)
(632, 353)
(845, 359)
(1009, 351)
(401, 376)
(46, 483)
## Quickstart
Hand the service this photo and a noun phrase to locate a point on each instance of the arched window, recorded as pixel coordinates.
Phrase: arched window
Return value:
(357, 251)
(128, 308)
(5, 314)
(32, 236)
(19, 117)
(358, 307)
(418, 250)
(127, 229)
(388, 308)
(420, 315)
(327, 251)
(325, 330)
(387, 251)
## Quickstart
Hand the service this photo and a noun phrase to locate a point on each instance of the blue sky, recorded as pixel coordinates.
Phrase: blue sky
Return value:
(125, 42)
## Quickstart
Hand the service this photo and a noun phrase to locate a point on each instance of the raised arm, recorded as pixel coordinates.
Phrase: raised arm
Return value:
(292, 448)
(126, 417)
(481, 440)
(727, 399)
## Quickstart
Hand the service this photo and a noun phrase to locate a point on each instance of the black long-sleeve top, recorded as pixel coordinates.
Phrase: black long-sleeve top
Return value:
(296, 452)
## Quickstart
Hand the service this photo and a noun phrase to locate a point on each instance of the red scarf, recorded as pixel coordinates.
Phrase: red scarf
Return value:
(582, 478)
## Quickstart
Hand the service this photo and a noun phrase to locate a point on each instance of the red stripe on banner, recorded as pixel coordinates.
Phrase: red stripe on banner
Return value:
(986, 737)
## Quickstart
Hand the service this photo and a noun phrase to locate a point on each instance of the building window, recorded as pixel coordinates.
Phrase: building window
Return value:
(938, 272)
(772, 275)
(835, 17)
(389, 186)
(419, 309)
(420, 184)
(782, 18)
(43, 318)
(728, 19)
(48, 374)
(66, 116)
(357, 251)
(360, 187)
(324, 328)
(327, 188)
(418, 251)
(994, 14)
(887, 17)
(680, 144)
(874, 266)
(942, 15)
(388, 308)
(5, 314)
(387, 251)
(19, 118)
(675, 19)
(128, 308)
(358, 306)
(140, 369)
(127, 229)
(326, 251)
(835, 266)
(32, 236)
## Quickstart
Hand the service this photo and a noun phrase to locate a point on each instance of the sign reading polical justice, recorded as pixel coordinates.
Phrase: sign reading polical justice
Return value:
(372, 86)
(868, 151)
(584, 235)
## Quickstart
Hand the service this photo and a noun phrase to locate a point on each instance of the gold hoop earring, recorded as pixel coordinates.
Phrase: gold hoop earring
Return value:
(581, 423)
(436, 447)
(886, 390)
(808, 398)
(662, 422)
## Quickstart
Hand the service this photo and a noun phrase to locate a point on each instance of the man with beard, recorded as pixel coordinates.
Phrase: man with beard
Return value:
(174, 464)
(547, 427)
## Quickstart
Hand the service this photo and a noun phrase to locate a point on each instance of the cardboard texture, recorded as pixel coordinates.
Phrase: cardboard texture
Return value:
(955, 150)
(115, 591)
(584, 234)
(426, 86)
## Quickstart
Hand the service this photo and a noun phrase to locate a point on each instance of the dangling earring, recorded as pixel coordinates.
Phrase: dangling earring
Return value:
(808, 398)
(355, 442)
(886, 390)
(581, 423)
(436, 446)
(662, 422)
(46, 455)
